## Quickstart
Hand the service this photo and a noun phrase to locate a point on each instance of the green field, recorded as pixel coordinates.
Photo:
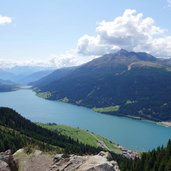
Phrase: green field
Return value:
(83, 136)
(44, 95)
(107, 109)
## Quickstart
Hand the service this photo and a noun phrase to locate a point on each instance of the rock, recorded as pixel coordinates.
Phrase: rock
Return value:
(4, 166)
(107, 155)
(58, 157)
(101, 162)
(35, 161)
(37, 152)
(7, 161)
(38, 160)
(18, 151)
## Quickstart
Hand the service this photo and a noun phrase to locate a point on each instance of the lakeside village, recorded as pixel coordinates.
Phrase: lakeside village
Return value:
(129, 153)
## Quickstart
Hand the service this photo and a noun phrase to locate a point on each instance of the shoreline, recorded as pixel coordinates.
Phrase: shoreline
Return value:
(165, 123)
(161, 123)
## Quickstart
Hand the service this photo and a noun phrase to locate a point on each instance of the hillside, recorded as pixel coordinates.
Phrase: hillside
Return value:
(155, 160)
(24, 74)
(34, 76)
(83, 136)
(124, 83)
(6, 75)
(54, 76)
(18, 132)
(27, 138)
(6, 85)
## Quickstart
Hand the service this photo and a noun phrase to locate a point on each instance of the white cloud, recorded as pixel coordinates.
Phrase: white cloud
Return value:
(5, 20)
(131, 31)
(69, 58)
(160, 47)
(89, 45)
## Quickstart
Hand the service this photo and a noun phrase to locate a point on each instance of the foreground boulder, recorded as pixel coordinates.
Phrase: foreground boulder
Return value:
(101, 162)
(36, 160)
(4, 166)
(7, 162)
(41, 161)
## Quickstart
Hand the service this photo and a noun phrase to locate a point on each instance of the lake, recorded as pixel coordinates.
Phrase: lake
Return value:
(133, 134)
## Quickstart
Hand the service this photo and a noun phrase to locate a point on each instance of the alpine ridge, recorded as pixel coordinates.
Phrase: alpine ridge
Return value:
(134, 84)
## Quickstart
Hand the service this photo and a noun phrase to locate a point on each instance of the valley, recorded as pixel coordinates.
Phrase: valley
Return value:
(108, 126)
(85, 85)
(114, 84)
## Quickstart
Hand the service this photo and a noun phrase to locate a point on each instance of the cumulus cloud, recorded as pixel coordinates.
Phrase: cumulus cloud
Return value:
(69, 58)
(89, 45)
(131, 31)
(5, 20)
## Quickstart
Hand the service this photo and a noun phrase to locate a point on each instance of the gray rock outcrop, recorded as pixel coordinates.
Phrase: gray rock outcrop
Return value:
(7, 162)
(101, 162)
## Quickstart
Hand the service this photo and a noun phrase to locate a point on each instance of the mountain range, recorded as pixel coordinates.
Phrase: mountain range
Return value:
(54, 76)
(134, 84)
(6, 85)
(24, 75)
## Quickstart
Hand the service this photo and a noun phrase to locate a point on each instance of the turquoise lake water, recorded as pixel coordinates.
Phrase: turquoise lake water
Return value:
(133, 134)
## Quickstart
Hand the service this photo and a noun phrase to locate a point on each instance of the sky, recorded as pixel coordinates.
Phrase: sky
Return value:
(64, 33)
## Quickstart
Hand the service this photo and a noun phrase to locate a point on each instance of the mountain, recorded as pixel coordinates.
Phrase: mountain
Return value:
(123, 83)
(34, 76)
(5, 75)
(24, 74)
(7, 82)
(26, 70)
(54, 76)
(6, 85)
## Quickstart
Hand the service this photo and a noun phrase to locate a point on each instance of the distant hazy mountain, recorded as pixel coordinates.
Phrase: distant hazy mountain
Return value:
(5, 75)
(23, 74)
(26, 70)
(34, 76)
(54, 76)
(8, 82)
(6, 85)
(123, 83)
(166, 62)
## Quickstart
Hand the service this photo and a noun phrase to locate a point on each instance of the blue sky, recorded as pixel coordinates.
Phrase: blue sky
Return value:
(42, 30)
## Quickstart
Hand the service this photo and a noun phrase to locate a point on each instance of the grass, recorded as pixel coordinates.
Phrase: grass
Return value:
(107, 109)
(83, 136)
(44, 95)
